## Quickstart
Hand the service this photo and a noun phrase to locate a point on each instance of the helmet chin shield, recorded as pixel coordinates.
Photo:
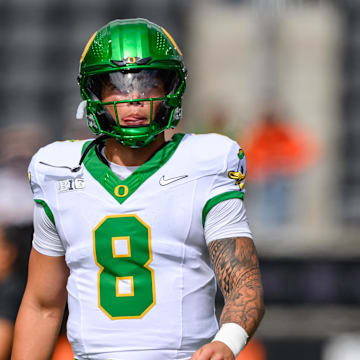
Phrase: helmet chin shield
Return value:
(132, 98)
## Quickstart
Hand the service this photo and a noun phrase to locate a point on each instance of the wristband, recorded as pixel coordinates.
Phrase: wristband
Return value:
(232, 335)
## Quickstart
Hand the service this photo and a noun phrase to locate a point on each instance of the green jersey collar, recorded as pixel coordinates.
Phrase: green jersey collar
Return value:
(123, 189)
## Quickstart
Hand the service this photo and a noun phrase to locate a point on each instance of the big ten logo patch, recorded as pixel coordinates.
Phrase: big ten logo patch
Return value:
(71, 184)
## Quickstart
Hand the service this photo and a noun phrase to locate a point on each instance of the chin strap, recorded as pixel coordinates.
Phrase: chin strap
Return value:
(97, 141)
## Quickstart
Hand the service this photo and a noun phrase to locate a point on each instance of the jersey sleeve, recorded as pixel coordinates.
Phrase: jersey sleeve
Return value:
(34, 181)
(227, 220)
(45, 239)
(37, 184)
(229, 182)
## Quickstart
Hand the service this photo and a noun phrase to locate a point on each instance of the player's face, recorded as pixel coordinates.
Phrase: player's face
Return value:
(132, 86)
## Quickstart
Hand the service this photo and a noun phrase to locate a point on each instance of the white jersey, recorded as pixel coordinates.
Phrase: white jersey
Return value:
(141, 284)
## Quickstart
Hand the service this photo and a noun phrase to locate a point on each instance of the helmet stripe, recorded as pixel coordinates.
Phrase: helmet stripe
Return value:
(87, 47)
(172, 41)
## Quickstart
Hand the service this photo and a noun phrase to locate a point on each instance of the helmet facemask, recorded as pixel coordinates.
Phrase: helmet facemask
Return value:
(133, 106)
(132, 55)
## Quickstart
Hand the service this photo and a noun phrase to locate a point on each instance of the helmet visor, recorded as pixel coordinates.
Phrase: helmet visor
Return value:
(135, 84)
(136, 98)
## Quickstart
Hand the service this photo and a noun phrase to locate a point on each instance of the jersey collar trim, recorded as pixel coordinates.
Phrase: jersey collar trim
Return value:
(123, 189)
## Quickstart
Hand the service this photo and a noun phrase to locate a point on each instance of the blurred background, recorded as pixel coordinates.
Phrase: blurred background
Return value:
(282, 77)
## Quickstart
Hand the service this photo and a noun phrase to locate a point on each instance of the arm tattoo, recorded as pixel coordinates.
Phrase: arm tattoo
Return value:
(237, 271)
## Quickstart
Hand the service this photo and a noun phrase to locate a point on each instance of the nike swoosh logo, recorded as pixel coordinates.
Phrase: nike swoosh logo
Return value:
(164, 181)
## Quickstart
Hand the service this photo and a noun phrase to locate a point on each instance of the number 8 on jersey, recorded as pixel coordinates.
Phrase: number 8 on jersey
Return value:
(122, 250)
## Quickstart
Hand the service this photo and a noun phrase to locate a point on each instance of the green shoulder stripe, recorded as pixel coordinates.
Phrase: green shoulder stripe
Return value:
(219, 198)
(47, 210)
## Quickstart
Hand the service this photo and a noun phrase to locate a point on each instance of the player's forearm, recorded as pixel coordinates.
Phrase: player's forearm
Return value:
(237, 270)
(36, 331)
(244, 304)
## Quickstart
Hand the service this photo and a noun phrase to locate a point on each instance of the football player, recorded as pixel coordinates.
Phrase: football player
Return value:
(132, 230)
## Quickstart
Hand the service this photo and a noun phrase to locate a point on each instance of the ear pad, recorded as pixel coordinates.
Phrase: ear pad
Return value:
(163, 115)
(105, 119)
(103, 116)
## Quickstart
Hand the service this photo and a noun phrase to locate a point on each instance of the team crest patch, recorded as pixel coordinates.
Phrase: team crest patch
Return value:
(71, 184)
(239, 177)
(236, 175)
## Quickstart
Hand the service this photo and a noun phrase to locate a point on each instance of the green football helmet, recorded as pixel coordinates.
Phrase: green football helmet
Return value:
(132, 55)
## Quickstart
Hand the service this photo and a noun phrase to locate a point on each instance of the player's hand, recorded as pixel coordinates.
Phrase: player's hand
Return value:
(216, 350)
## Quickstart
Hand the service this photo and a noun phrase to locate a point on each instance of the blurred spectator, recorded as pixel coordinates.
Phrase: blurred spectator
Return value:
(12, 285)
(217, 121)
(18, 144)
(63, 350)
(254, 350)
(277, 151)
(275, 146)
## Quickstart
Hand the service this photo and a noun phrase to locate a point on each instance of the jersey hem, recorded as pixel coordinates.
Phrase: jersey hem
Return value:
(46, 252)
(233, 234)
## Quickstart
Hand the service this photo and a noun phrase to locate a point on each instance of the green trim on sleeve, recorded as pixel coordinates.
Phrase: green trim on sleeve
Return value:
(219, 198)
(47, 210)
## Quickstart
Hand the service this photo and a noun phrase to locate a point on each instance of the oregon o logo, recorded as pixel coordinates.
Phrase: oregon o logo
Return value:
(121, 190)
(131, 60)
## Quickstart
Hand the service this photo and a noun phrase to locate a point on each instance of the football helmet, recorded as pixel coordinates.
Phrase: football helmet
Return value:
(132, 56)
